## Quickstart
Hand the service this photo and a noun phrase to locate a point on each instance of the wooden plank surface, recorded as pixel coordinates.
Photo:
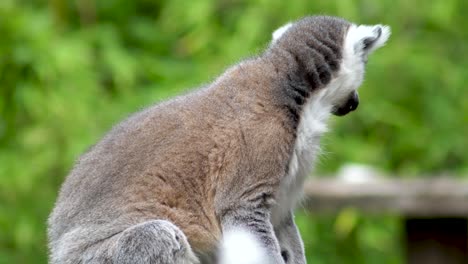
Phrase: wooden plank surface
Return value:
(422, 197)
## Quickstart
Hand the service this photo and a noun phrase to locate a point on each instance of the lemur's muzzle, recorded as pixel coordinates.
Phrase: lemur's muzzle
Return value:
(350, 105)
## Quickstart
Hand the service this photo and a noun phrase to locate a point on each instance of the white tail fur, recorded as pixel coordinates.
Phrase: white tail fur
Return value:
(241, 247)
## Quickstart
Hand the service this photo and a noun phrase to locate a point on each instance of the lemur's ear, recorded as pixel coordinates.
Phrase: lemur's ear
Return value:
(368, 38)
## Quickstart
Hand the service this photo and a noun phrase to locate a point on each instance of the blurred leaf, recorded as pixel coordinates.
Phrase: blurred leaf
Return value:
(345, 222)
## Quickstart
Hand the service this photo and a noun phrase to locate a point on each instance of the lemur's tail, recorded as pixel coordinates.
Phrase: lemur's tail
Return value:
(240, 247)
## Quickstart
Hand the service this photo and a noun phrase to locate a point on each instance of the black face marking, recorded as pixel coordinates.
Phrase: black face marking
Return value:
(349, 105)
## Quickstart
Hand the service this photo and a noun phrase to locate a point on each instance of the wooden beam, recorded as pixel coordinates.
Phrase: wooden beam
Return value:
(428, 197)
(434, 211)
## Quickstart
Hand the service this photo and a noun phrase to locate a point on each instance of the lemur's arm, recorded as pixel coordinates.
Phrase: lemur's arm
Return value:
(289, 238)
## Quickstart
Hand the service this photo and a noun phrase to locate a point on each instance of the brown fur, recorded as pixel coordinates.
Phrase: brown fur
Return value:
(205, 161)
(174, 160)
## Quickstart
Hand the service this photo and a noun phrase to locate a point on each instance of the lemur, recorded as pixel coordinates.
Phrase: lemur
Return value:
(213, 176)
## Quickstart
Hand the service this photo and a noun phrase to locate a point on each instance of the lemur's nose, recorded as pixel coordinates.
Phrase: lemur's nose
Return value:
(351, 104)
(353, 101)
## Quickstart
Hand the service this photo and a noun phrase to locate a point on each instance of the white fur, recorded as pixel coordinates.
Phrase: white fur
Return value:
(239, 246)
(357, 33)
(318, 109)
(280, 31)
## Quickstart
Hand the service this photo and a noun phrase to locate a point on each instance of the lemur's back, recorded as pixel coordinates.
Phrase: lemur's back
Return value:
(167, 162)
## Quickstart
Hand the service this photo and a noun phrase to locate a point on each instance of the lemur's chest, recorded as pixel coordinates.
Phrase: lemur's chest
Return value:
(306, 149)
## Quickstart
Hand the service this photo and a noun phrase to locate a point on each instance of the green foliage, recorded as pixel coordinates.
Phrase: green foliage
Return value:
(71, 69)
(351, 237)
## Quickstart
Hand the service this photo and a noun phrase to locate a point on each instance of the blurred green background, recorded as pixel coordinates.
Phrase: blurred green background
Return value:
(69, 70)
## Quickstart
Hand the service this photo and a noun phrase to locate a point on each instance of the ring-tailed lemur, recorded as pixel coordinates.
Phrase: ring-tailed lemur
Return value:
(219, 169)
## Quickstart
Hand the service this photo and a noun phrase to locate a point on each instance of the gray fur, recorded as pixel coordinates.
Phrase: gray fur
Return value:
(164, 185)
(292, 247)
(154, 241)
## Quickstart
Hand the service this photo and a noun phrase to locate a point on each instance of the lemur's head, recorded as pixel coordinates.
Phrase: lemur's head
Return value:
(332, 53)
